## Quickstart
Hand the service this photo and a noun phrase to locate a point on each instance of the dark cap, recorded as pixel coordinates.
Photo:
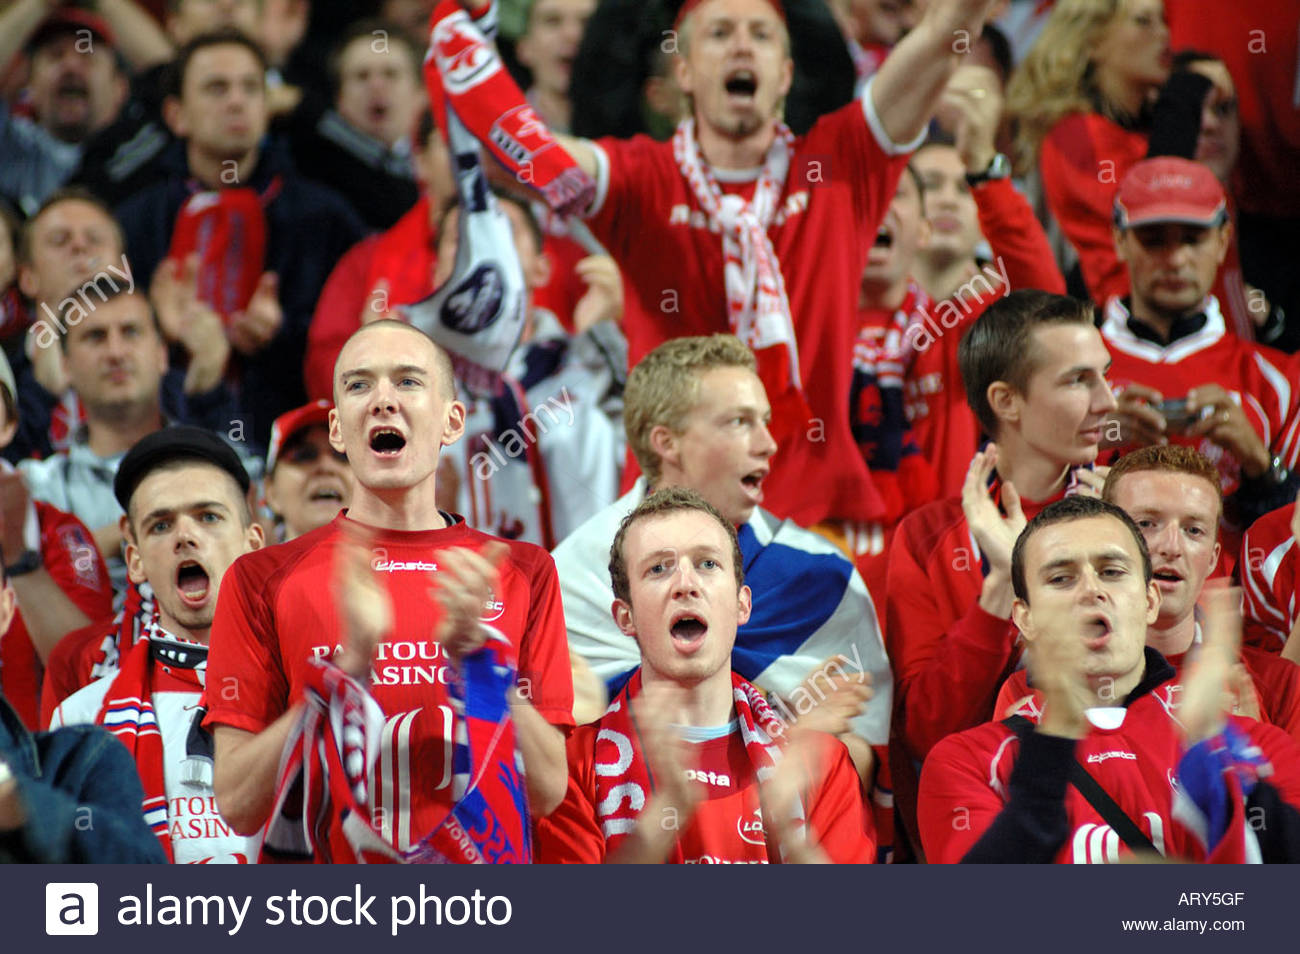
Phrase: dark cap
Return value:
(70, 20)
(170, 444)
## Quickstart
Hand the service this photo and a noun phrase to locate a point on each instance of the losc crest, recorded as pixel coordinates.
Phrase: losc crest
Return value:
(476, 302)
(464, 59)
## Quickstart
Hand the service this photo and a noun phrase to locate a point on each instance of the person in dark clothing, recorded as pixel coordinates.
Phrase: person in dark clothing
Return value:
(360, 144)
(67, 796)
(232, 217)
(123, 158)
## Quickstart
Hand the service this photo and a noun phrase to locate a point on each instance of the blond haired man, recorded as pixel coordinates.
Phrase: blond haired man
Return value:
(697, 417)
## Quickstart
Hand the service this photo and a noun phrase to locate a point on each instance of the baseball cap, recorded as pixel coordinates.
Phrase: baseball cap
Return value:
(1169, 189)
(175, 443)
(291, 422)
(70, 20)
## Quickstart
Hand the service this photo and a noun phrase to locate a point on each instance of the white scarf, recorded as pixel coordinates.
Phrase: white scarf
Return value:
(757, 307)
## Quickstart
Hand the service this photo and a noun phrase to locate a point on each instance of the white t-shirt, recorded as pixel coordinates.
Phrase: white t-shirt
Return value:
(198, 832)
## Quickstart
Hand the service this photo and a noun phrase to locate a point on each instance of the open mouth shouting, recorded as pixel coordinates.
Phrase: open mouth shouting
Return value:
(325, 491)
(387, 442)
(1096, 631)
(741, 86)
(193, 583)
(753, 483)
(688, 631)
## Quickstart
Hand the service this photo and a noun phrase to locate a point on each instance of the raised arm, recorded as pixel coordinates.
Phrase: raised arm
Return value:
(18, 22)
(906, 89)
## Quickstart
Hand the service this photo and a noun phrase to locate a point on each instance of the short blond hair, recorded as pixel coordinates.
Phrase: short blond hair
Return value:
(664, 388)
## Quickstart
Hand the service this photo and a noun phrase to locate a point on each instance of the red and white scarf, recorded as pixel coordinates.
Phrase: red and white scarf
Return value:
(137, 617)
(326, 760)
(465, 76)
(623, 782)
(758, 310)
(128, 713)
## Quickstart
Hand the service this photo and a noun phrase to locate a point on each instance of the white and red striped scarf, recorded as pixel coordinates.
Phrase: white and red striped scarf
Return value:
(128, 713)
(623, 782)
(139, 613)
(758, 310)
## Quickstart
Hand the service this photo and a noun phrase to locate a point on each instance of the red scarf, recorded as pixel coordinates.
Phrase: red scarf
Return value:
(323, 773)
(137, 617)
(227, 228)
(623, 782)
(464, 74)
(128, 713)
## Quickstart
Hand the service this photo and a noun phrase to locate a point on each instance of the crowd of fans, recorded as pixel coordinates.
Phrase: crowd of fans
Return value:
(896, 466)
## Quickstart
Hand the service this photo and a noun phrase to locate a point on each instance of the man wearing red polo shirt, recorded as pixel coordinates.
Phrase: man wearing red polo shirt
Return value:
(738, 226)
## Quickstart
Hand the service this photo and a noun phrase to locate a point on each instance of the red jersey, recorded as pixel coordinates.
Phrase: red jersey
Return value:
(949, 656)
(1269, 580)
(841, 179)
(274, 614)
(69, 666)
(70, 556)
(1253, 374)
(1259, 42)
(727, 827)
(1084, 158)
(942, 422)
(1082, 161)
(967, 781)
(1276, 681)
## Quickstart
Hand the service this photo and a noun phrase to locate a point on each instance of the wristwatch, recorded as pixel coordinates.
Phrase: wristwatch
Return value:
(1277, 473)
(29, 562)
(999, 168)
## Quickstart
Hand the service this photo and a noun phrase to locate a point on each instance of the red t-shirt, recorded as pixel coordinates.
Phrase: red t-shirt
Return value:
(275, 613)
(949, 656)
(72, 559)
(70, 664)
(840, 182)
(1269, 579)
(965, 783)
(1276, 681)
(1257, 376)
(727, 827)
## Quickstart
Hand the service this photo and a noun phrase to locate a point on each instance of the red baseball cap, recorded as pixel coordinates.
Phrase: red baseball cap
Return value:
(1169, 189)
(690, 5)
(70, 20)
(291, 422)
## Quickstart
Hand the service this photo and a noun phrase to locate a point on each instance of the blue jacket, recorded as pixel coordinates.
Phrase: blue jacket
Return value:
(81, 794)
